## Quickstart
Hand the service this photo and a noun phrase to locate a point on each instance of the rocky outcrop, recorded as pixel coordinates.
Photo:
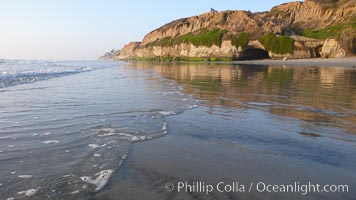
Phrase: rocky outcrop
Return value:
(303, 48)
(110, 55)
(348, 41)
(183, 51)
(128, 52)
(332, 49)
(287, 19)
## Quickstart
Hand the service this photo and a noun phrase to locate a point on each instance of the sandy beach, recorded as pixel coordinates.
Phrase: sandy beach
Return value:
(341, 62)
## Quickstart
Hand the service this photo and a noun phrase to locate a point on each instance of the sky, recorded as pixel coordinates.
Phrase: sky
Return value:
(86, 29)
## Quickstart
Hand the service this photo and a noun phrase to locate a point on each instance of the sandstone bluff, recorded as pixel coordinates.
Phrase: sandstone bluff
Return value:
(309, 29)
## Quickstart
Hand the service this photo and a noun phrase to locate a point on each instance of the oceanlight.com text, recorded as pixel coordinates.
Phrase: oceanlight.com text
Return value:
(236, 187)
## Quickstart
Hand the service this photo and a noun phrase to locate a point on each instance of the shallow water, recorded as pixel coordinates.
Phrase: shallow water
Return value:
(322, 96)
(65, 130)
(66, 127)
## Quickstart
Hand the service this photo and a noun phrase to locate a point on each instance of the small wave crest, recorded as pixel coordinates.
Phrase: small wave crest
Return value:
(23, 72)
(10, 79)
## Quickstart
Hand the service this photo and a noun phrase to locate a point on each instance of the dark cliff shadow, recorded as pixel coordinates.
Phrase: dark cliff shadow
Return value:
(253, 54)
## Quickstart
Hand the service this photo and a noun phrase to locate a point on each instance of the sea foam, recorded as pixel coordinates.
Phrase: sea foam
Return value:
(167, 113)
(100, 181)
(96, 146)
(29, 192)
(25, 176)
(51, 142)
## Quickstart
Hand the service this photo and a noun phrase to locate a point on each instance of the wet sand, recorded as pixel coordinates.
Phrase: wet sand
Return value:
(195, 151)
(341, 62)
(276, 125)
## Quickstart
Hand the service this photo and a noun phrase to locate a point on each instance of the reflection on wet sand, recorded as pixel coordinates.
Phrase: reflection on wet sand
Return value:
(321, 95)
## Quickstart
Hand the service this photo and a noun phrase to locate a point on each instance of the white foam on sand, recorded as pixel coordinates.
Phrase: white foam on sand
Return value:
(106, 134)
(29, 192)
(100, 181)
(75, 192)
(164, 128)
(96, 146)
(167, 113)
(97, 155)
(133, 138)
(192, 106)
(25, 176)
(108, 130)
(51, 142)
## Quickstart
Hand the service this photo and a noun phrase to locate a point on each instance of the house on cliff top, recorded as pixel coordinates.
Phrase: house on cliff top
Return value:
(212, 10)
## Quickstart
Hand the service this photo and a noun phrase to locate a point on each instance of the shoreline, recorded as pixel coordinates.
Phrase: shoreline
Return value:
(331, 62)
(319, 62)
(191, 145)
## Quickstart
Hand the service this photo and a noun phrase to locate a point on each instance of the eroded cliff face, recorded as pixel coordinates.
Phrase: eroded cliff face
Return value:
(296, 15)
(183, 50)
(288, 19)
(314, 14)
(233, 21)
(128, 51)
(304, 48)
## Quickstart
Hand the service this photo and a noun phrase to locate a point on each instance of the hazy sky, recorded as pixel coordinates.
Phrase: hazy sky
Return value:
(85, 29)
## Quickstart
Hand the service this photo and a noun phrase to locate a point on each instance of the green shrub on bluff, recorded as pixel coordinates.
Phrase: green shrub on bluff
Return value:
(277, 44)
(204, 38)
(330, 31)
(241, 40)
